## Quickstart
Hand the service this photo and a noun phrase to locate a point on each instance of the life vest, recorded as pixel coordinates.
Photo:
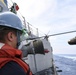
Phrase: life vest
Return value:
(7, 54)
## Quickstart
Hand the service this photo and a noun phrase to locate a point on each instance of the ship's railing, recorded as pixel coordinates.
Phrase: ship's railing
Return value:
(29, 27)
(26, 25)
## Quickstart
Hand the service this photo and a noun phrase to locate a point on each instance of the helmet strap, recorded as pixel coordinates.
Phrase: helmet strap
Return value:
(18, 39)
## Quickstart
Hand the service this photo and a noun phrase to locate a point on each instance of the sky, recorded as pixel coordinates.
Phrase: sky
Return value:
(51, 17)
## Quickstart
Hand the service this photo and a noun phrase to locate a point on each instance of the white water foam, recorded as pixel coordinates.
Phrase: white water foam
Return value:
(71, 57)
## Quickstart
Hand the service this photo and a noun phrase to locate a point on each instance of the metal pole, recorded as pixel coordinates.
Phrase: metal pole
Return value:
(24, 22)
(37, 32)
(35, 60)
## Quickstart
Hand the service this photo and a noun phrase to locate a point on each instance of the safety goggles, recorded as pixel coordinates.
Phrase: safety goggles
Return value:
(21, 36)
(24, 35)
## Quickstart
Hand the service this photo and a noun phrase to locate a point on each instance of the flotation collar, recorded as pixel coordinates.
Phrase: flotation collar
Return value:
(7, 54)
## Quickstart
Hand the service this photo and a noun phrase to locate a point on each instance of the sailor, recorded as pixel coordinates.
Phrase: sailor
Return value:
(11, 62)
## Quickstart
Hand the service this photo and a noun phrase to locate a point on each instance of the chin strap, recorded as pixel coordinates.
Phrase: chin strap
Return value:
(18, 38)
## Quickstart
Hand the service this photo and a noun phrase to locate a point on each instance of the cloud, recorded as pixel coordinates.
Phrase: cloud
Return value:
(35, 8)
(55, 16)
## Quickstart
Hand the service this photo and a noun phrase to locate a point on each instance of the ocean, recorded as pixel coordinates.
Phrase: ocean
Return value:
(66, 63)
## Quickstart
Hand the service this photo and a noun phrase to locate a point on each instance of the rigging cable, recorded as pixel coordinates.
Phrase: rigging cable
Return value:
(52, 35)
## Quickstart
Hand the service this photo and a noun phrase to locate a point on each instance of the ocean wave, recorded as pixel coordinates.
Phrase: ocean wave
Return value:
(66, 63)
(73, 57)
